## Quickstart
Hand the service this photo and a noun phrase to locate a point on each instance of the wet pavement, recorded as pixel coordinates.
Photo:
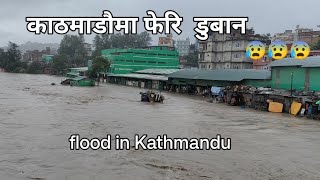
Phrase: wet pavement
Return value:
(37, 119)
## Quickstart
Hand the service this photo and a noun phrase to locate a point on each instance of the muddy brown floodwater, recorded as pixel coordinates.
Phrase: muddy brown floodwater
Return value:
(37, 119)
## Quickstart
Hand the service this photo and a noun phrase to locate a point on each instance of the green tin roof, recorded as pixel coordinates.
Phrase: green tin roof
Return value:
(141, 76)
(308, 62)
(79, 78)
(156, 49)
(73, 74)
(222, 74)
(157, 71)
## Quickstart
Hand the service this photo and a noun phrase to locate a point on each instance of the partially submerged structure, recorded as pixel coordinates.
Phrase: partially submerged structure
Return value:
(79, 81)
(148, 78)
(75, 72)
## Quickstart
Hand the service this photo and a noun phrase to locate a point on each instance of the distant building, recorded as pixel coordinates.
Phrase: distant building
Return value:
(299, 30)
(287, 37)
(166, 41)
(193, 48)
(183, 47)
(35, 55)
(227, 51)
(32, 56)
(262, 64)
(191, 60)
(196, 45)
(47, 58)
(299, 34)
(311, 37)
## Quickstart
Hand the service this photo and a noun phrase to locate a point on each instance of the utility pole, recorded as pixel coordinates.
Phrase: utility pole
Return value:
(291, 84)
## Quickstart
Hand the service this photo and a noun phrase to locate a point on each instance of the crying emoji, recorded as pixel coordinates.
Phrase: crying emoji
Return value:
(278, 50)
(255, 50)
(300, 50)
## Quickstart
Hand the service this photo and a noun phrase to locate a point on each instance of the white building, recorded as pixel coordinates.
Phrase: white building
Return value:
(183, 46)
(223, 51)
(287, 36)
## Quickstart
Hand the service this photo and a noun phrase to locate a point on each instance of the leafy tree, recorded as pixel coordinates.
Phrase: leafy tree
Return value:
(72, 47)
(99, 64)
(106, 41)
(35, 68)
(192, 59)
(3, 58)
(10, 60)
(59, 64)
(144, 39)
(316, 46)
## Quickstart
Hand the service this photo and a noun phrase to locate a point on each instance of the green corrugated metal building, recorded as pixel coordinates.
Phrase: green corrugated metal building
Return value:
(305, 74)
(130, 60)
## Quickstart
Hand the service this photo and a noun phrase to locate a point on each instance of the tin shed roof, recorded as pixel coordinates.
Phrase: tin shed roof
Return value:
(157, 71)
(222, 74)
(313, 61)
(141, 76)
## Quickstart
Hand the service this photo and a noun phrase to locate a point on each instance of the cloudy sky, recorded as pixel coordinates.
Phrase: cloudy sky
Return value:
(265, 16)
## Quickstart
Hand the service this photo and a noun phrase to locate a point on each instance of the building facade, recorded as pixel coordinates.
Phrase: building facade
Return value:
(183, 47)
(307, 35)
(166, 41)
(125, 61)
(287, 36)
(295, 74)
(224, 51)
(35, 55)
(311, 37)
(262, 64)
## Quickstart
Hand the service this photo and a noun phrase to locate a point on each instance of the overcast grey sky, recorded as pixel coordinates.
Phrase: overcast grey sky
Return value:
(265, 16)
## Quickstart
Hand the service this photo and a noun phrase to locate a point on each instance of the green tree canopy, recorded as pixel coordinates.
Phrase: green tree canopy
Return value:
(10, 60)
(59, 64)
(73, 49)
(99, 65)
(316, 46)
(35, 68)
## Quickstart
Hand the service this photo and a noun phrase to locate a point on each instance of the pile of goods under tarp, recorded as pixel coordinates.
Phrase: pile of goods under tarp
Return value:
(150, 96)
(302, 103)
(240, 88)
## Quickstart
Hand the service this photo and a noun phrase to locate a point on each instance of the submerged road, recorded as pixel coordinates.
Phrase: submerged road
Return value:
(37, 119)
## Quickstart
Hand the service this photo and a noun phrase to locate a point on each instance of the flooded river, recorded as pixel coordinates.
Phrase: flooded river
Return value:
(37, 119)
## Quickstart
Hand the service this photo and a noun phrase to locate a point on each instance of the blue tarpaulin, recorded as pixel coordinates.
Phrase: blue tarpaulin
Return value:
(215, 90)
